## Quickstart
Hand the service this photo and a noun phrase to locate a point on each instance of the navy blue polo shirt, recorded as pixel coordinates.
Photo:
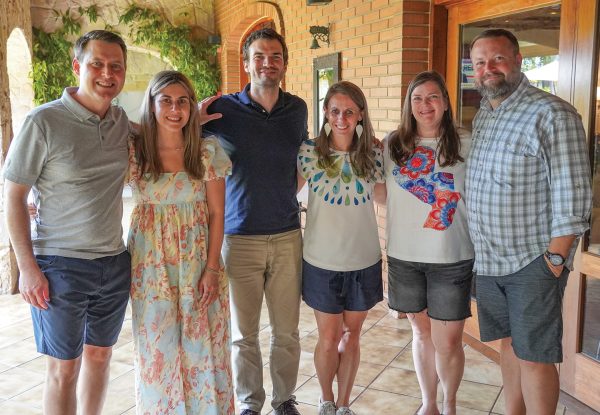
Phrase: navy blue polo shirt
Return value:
(263, 148)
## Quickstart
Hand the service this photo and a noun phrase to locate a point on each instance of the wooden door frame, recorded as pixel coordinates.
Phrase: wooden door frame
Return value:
(577, 79)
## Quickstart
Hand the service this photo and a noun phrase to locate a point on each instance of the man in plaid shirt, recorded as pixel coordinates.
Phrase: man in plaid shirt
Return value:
(528, 200)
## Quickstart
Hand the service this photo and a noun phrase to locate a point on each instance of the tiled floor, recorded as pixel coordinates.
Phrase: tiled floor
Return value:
(386, 382)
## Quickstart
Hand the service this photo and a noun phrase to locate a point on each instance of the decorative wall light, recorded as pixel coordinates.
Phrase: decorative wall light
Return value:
(319, 33)
(317, 2)
(214, 39)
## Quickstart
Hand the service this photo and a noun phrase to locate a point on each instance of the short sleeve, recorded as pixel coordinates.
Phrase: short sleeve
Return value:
(306, 158)
(378, 173)
(133, 170)
(27, 154)
(216, 162)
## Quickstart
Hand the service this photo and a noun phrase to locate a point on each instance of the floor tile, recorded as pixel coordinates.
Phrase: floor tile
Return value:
(404, 360)
(15, 381)
(19, 352)
(310, 391)
(380, 354)
(499, 407)
(398, 381)
(15, 407)
(477, 395)
(388, 336)
(31, 397)
(483, 372)
(385, 384)
(36, 365)
(385, 403)
(367, 373)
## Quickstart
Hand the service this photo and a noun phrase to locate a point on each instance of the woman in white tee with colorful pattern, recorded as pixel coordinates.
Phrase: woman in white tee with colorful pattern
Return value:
(341, 276)
(430, 254)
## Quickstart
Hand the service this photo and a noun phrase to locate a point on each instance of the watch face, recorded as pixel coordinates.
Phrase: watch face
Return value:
(556, 259)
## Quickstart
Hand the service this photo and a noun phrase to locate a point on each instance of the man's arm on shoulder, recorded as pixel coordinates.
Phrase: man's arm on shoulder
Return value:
(33, 285)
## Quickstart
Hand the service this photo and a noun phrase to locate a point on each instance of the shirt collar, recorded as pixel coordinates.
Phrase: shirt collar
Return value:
(247, 100)
(78, 110)
(512, 99)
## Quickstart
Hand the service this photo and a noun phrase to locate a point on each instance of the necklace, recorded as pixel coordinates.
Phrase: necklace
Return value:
(170, 148)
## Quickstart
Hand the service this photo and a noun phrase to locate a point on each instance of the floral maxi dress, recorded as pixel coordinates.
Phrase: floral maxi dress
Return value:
(182, 353)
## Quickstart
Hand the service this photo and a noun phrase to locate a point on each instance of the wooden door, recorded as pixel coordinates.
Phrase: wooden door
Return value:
(577, 79)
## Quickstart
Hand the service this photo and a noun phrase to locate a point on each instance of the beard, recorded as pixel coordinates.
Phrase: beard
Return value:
(502, 88)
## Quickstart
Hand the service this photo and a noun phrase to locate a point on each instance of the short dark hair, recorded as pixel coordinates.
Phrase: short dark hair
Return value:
(267, 33)
(497, 33)
(103, 35)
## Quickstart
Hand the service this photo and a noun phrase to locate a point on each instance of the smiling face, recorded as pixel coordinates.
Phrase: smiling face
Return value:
(428, 105)
(497, 68)
(343, 115)
(101, 72)
(265, 64)
(171, 107)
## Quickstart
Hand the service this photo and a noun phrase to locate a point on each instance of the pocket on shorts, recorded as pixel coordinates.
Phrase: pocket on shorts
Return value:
(546, 267)
(45, 261)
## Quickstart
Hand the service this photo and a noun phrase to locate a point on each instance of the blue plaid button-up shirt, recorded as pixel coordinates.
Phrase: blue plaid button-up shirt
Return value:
(528, 179)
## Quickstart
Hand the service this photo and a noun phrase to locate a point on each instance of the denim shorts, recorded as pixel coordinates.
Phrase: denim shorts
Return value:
(527, 306)
(443, 289)
(88, 298)
(335, 291)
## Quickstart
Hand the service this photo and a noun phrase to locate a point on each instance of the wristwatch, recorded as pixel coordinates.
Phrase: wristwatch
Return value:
(555, 259)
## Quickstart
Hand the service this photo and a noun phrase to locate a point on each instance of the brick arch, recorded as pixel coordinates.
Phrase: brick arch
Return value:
(257, 13)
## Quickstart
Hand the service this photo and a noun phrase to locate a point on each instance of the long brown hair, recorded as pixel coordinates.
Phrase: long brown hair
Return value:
(403, 141)
(361, 150)
(146, 144)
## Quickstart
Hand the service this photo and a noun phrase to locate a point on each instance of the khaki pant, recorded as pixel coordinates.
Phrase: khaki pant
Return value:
(268, 265)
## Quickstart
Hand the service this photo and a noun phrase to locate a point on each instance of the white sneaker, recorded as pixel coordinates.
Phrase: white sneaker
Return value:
(344, 410)
(326, 408)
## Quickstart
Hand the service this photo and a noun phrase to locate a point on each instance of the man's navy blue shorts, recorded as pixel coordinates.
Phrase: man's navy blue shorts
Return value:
(88, 298)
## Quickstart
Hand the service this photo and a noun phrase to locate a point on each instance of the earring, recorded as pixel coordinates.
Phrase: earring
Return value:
(327, 129)
(359, 130)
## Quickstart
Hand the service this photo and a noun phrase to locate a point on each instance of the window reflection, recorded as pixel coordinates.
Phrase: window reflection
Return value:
(590, 344)
(538, 33)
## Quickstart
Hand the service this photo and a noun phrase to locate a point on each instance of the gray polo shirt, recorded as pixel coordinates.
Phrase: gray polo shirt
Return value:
(76, 164)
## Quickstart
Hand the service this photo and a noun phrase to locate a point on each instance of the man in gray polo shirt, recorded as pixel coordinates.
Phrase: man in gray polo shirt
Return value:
(74, 270)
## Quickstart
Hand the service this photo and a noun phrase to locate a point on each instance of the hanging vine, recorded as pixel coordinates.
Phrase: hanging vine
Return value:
(51, 64)
(194, 58)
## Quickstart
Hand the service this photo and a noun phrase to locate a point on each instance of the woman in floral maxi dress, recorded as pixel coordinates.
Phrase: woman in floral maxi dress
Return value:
(179, 292)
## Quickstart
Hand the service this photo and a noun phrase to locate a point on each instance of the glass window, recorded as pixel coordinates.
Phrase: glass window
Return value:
(326, 72)
(590, 333)
(594, 238)
(538, 33)
(590, 342)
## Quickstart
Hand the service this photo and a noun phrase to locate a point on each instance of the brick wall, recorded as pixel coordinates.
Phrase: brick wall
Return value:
(383, 44)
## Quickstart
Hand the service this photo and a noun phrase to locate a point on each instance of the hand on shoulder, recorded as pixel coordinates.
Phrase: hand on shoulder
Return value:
(203, 105)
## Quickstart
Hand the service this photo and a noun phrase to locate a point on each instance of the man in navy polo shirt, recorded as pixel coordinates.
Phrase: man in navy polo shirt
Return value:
(261, 130)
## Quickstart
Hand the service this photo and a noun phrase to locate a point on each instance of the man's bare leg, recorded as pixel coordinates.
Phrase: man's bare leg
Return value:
(95, 371)
(60, 396)
(511, 379)
(540, 385)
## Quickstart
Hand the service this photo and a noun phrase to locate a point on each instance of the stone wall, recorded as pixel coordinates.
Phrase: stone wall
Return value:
(15, 15)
